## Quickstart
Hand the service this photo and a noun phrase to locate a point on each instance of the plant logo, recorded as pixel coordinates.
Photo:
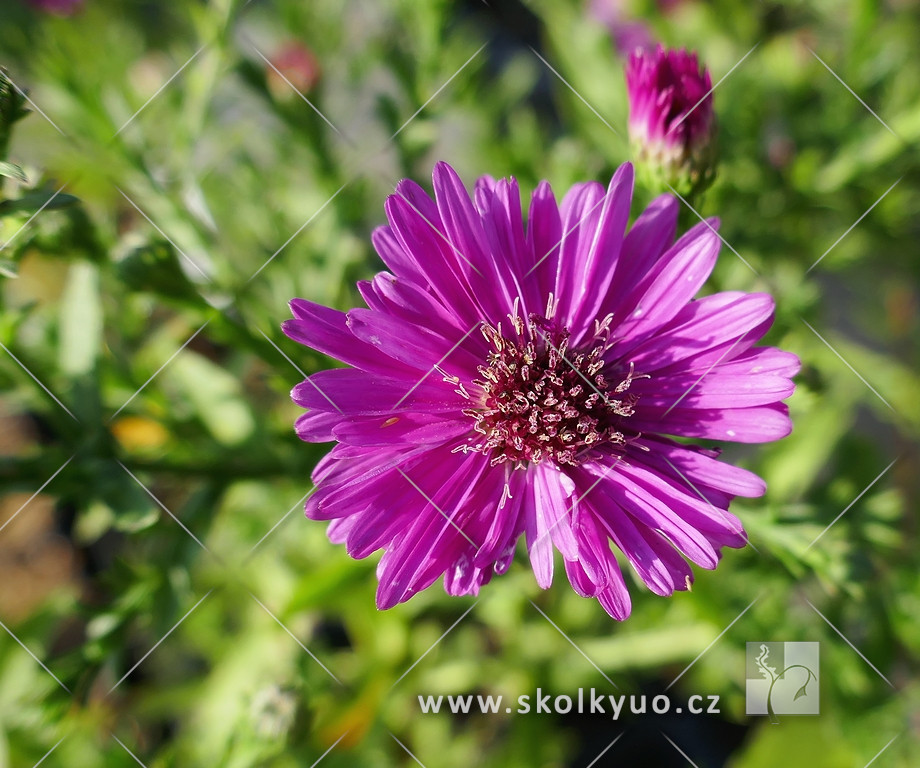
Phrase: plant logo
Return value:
(782, 679)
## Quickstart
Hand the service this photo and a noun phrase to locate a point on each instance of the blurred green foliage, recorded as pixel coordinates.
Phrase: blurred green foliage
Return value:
(173, 194)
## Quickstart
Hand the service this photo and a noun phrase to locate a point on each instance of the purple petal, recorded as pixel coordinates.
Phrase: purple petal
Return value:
(648, 238)
(464, 578)
(706, 332)
(353, 392)
(420, 202)
(399, 260)
(419, 556)
(435, 263)
(553, 492)
(412, 344)
(406, 300)
(507, 521)
(659, 573)
(675, 501)
(759, 424)
(600, 254)
(647, 507)
(614, 598)
(500, 208)
(325, 330)
(539, 545)
(405, 429)
(580, 211)
(544, 230)
(681, 461)
(393, 503)
(671, 283)
(762, 361)
(490, 276)
(714, 389)
(316, 426)
(354, 486)
(593, 544)
(580, 581)
(339, 529)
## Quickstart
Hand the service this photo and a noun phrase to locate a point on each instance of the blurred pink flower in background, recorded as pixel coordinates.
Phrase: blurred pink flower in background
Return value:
(295, 63)
(60, 7)
(628, 34)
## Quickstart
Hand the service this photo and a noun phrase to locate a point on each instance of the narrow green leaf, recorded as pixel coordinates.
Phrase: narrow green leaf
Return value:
(12, 171)
(80, 320)
(37, 200)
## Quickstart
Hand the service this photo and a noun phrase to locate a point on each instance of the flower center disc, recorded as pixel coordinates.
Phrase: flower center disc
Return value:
(541, 401)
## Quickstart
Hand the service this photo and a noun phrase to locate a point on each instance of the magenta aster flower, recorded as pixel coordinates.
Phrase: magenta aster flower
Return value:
(672, 125)
(510, 381)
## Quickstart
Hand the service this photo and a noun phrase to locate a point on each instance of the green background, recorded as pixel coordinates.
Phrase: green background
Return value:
(184, 177)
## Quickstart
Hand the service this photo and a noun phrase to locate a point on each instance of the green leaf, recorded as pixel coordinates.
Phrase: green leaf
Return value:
(80, 320)
(32, 202)
(12, 171)
(216, 396)
(650, 648)
(12, 108)
(9, 268)
(136, 520)
(156, 268)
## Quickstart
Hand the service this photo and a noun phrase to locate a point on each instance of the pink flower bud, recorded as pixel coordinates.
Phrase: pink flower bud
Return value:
(672, 125)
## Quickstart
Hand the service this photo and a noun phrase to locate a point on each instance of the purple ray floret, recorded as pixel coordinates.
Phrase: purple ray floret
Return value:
(506, 380)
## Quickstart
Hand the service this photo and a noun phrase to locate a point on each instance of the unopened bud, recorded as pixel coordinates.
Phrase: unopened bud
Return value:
(672, 126)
